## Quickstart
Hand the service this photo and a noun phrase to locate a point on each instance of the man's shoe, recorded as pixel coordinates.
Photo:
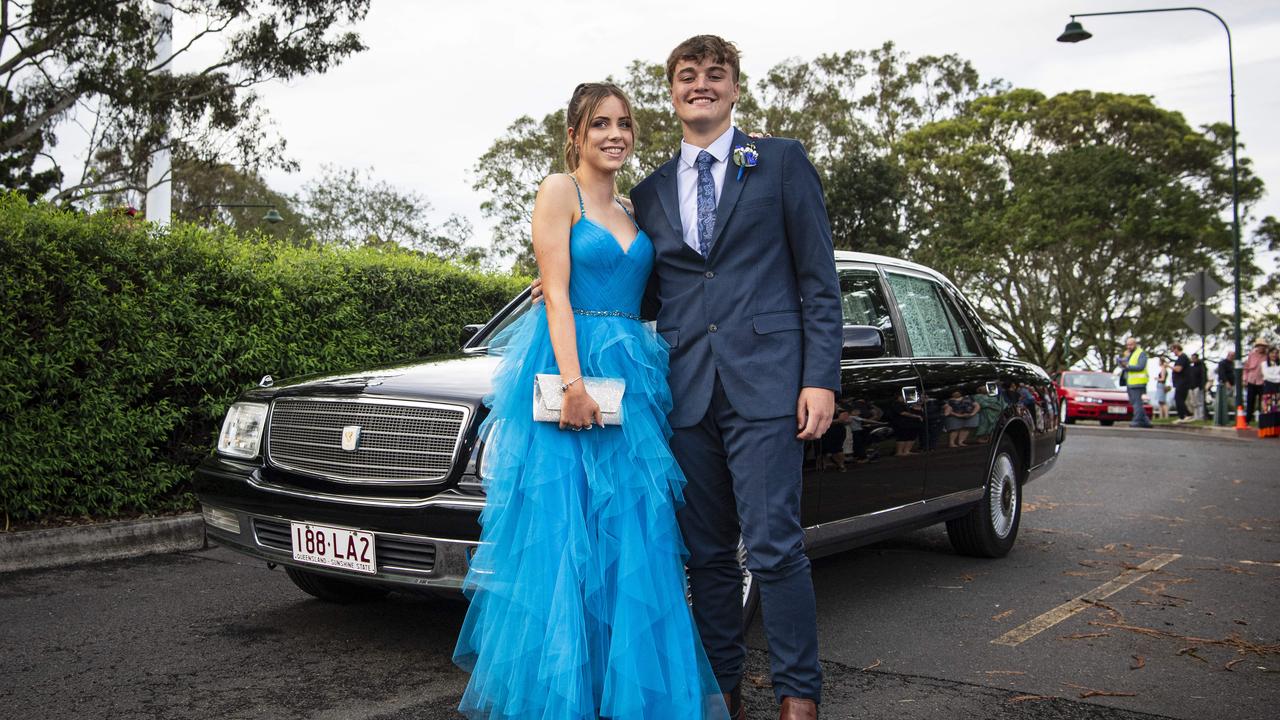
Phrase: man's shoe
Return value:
(733, 701)
(798, 709)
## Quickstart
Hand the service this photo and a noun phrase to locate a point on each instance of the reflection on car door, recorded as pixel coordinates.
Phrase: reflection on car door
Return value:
(962, 399)
(870, 460)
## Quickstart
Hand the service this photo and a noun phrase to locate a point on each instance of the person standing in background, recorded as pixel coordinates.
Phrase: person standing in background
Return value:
(1161, 408)
(1181, 381)
(1226, 389)
(1134, 361)
(1252, 377)
(1269, 401)
(1197, 378)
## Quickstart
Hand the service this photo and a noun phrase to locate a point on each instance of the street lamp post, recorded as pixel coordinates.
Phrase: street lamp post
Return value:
(272, 215)
(1075, 33)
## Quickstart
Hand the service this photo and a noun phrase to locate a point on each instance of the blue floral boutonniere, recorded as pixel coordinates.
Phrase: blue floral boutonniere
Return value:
(745, 156)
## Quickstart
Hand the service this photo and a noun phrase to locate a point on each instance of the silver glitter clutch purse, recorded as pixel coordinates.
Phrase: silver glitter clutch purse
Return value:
(548, 398)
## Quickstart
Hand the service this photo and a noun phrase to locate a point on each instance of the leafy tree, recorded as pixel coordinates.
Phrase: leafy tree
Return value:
(1262, 317)
(1071, 220)
(202, 192)
(64, 61)
(349, 207)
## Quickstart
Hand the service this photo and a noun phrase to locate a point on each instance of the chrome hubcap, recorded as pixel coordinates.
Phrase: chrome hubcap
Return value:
(1003, 495)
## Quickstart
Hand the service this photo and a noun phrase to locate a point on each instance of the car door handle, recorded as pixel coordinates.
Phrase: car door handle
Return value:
(911, 394)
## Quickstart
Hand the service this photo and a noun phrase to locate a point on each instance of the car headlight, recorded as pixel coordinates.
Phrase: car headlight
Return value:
(1089, 399)
(242, 430)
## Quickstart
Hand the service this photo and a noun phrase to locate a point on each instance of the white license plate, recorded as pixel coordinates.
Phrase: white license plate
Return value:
(334, 547)
(1117, 409)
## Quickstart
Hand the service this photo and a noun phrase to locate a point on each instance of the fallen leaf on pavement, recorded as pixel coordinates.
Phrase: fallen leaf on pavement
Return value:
(1139, 662)
(1191, 652)
(872, 666)
(1091, 692)
(758, 680)
(1231, 665)
(1084, 636)
(1007, 613)
(1105, 693)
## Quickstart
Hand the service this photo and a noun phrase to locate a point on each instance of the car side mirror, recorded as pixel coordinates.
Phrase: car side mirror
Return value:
(468, 332)
(862, 342)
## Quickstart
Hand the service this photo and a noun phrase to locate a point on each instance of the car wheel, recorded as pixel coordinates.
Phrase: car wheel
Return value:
(1107, 423)
(991, 527)
(332, 589)
(1070, 421)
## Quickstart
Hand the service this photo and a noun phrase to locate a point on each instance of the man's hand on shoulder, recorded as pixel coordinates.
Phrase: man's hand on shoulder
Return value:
(535, 291)
(814, 410)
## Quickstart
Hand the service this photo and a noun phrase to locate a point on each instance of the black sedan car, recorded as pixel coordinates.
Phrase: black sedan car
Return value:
(366, 481)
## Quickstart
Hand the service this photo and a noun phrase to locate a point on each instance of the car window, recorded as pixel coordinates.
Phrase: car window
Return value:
(1098, 380)
(968, 343)
(862, 302)
(483, 340)
(925, 317)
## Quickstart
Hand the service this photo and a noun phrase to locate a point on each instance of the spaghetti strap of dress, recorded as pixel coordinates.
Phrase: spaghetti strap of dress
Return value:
(581, 207)
(628, 212)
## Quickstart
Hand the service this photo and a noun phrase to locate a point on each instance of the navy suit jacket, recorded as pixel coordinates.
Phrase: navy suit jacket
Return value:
(763, 308)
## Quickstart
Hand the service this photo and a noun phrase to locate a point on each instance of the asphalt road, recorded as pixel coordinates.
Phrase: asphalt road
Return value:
(1179, 532)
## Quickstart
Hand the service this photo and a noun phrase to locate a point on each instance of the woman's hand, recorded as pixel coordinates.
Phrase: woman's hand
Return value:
(579, 411)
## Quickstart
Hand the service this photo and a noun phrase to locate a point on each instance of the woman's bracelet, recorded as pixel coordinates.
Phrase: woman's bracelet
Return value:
(565, 387)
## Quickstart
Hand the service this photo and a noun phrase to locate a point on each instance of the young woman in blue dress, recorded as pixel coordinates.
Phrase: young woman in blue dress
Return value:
(578, 597)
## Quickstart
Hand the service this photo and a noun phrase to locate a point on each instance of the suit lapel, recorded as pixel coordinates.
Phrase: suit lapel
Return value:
(669, 195)
(730, 193)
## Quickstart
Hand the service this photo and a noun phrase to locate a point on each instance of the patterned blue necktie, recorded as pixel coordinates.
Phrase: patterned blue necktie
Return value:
(706, 201)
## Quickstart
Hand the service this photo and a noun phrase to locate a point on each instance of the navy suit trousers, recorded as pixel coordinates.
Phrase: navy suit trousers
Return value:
(744, 479)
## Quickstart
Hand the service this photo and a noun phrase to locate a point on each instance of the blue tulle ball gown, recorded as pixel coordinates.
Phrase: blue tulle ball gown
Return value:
(578, 598)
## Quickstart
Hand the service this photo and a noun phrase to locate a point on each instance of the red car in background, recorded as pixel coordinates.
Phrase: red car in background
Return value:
(1093, 395)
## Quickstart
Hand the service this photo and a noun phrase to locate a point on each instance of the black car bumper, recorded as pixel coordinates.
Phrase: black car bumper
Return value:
(419, 541)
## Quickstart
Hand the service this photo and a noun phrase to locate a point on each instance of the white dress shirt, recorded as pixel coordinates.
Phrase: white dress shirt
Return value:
(687, 181)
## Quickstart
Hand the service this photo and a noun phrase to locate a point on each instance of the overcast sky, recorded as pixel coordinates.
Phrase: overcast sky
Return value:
(441, 81)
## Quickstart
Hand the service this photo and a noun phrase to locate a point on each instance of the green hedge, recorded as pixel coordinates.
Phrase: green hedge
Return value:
(121, 346)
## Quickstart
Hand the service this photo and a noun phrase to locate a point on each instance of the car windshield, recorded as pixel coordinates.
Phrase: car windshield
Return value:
(1097, 380)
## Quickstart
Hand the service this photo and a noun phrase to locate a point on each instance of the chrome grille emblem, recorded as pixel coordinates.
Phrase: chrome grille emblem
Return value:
(350, 437)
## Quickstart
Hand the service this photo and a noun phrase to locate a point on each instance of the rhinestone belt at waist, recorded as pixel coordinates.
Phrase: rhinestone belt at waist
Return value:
(605, 313)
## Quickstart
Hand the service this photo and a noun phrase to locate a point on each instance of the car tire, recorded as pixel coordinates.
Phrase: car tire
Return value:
(1107, 423)
(330, 589)
(1071, 421)
(991, 527)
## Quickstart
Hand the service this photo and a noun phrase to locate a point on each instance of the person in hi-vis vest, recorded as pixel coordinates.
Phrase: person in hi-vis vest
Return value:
(1134, 362)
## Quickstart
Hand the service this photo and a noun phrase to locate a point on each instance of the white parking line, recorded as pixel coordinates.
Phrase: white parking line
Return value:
(1035, 626)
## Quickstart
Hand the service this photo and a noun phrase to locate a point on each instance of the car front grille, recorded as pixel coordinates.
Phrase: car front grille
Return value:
(393, 552)
(400, 442)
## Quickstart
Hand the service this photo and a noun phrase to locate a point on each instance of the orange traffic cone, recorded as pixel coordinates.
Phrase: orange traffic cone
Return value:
(1240, 419)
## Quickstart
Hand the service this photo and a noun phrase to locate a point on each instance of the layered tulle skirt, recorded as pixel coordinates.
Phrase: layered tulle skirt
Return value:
(578, 596)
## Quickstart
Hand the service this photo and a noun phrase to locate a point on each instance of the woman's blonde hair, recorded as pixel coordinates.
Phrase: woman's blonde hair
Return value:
(583, 104)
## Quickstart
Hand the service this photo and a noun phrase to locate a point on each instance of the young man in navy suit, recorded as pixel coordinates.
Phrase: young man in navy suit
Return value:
(744, 290)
